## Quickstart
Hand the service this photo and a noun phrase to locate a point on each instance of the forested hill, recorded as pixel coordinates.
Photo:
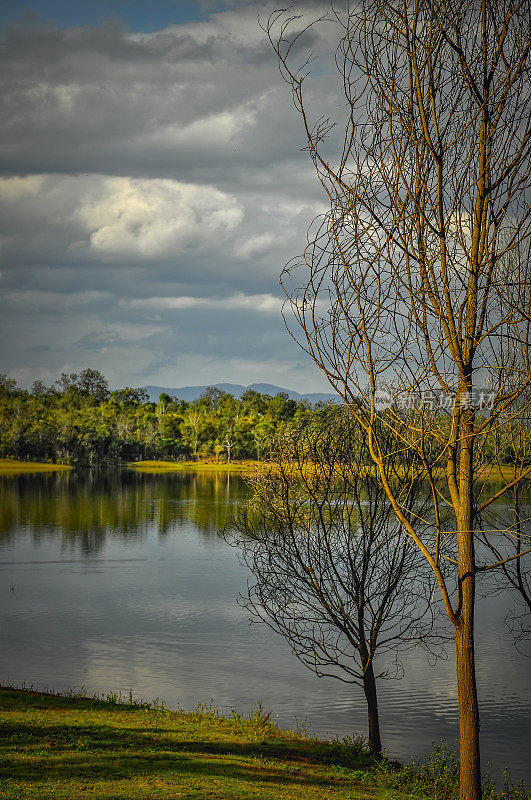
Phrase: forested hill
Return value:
(190, 393)
(79, 420)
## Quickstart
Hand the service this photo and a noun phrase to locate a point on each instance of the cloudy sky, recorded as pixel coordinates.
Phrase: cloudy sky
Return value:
(152, 187)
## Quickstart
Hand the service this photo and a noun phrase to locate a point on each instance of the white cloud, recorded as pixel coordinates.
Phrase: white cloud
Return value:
(141, 218)
(256, 245)
(214, 132)
(238, 30)
(230, 30)
(262, 303)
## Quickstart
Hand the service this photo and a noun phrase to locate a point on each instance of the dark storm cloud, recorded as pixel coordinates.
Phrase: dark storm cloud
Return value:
(94, 99)
(96, 340)
(169, 105)
(145, 168)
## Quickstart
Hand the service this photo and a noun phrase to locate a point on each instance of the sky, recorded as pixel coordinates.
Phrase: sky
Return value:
(152, 187)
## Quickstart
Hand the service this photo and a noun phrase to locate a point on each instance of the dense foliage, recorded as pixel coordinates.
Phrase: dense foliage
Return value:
(80, 421)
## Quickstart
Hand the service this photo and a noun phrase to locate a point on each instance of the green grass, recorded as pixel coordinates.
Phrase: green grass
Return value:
(61, 747)
(77, 747)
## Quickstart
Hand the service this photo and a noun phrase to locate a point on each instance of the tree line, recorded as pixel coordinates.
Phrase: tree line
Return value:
(79, 420)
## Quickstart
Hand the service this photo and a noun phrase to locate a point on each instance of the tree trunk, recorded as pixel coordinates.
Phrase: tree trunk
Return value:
(369, 687)
(470, 775)
(470, 780)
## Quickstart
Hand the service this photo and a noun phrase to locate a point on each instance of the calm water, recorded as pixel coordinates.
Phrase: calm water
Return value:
(117, 580)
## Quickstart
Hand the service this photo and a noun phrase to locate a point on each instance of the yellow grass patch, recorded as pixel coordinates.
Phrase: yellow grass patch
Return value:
(195, 466)
(13, 466)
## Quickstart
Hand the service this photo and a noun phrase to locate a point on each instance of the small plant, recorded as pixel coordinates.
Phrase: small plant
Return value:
(509, 791)
(206, 710)
(259, 716)
(255, 725)
(441, 771)
(75, 694)
(351, 751)
(437, 778)
(302, 727)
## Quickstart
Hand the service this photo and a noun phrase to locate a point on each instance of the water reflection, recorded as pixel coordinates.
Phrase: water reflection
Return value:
(86, 508)
(115, 580)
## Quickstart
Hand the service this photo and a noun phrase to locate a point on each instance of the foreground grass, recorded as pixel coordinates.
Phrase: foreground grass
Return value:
(57, 747)
(78, 747)
(13, 466)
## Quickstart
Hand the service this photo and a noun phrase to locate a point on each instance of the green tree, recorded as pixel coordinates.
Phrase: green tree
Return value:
(92, 383)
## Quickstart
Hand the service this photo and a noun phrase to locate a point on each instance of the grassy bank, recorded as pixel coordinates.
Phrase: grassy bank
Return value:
(78, 747)
(11, 465)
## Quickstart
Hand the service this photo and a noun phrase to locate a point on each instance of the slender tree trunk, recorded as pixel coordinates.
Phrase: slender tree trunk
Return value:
(369, 687)
(470, 777)
(470, 781)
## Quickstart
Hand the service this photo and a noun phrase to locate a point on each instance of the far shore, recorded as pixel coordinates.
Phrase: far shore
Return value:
(495, 473)
(203, 465)
(13, 466)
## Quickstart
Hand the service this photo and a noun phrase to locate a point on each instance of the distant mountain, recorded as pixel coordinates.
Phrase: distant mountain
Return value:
(190, 393)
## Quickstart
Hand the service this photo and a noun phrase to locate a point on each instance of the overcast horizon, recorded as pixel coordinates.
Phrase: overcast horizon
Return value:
(152, 189)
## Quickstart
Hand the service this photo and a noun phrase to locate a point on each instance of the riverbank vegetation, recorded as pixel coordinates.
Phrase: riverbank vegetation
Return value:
(80, 421)
(202, 465)
(54, 746)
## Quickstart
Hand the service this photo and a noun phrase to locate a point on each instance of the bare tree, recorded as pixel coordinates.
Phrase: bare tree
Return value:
(332, 570)
(414, 289)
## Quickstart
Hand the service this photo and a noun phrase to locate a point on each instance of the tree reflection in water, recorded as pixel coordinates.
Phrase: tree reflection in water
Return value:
(86, 508)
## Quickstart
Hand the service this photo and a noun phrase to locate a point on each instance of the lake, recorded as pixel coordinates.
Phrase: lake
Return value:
(116, 580)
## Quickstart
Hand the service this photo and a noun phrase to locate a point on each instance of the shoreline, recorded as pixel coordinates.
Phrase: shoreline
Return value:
(65, 745)
(489, 473)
